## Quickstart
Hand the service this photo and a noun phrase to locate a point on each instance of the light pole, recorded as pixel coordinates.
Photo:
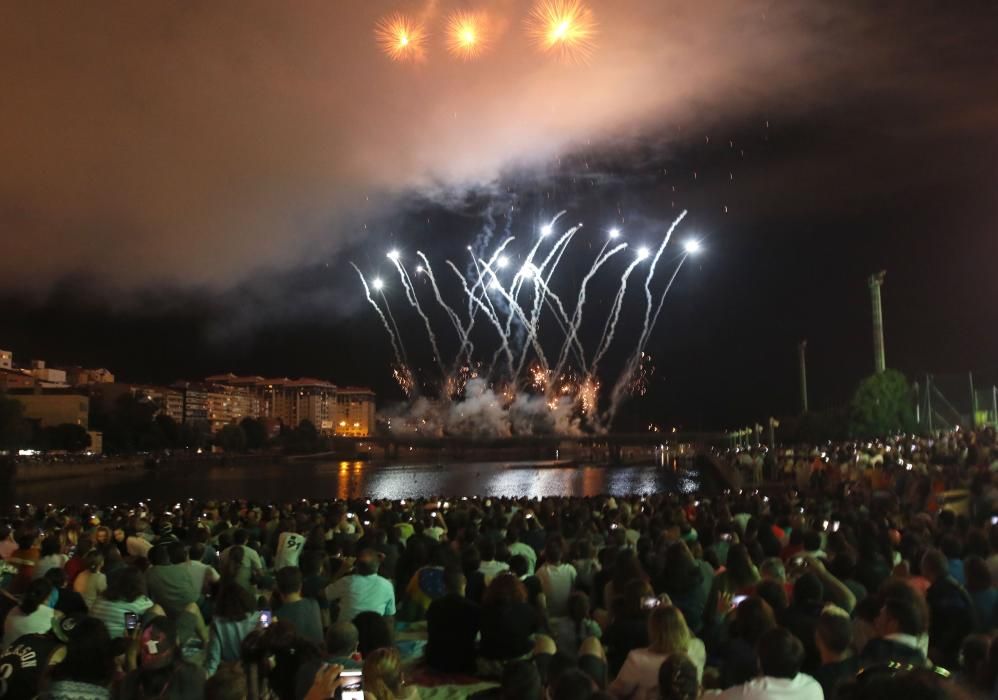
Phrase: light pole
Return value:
(801, 348)
(879, 360)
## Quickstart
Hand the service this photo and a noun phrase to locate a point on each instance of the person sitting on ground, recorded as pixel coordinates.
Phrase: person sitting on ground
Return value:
(156, 668)
(557, 579)
(302, 613)
(91, 581)
(569, 632)
(373, 632)
(747, 624)
(235, 617)
(515, 547)
(573, 684)
(833, 637)
(245, 569)
(89, 667)
(126, 593)
(678, 679)
(342, 643)
(24, 558)
(33, 615)
(51, 556)
(781, 656)
(169, 579)
(383, 678)
(490, 567)
(452, 624)
(363, 590)
(507, 625)
(668, 634)
(68, 601)
(629, 627)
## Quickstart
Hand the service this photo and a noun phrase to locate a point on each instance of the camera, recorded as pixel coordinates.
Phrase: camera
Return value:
(353, 689)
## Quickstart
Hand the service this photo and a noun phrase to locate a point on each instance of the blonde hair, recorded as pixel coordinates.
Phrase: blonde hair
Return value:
(383, 674)
(667, 630)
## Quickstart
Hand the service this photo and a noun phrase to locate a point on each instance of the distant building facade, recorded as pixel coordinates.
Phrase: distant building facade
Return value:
(354, 415)
(53, 409)
(6, 359)
(81, 376)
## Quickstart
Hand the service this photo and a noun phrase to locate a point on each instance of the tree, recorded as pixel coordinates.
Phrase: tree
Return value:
(15, 431)
(231, 438)
(256, 433)
(883, 404)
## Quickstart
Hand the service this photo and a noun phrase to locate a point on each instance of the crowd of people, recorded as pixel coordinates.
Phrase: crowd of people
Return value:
(862, 570)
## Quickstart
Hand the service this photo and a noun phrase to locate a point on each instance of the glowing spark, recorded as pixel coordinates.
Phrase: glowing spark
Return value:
(378, 284)
(643, 252)
(393, 255)
(502, 262)
(400, 38)
(564, 27)
(467, 35)
(614, 233)
(692, 246)
(546, 229)
(419, 268)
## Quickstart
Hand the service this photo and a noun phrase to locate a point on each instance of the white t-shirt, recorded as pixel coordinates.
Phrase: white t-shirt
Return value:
(557, 581)
(289, 547)
(52, 561)
(18, 624)
(90, 585)
(802, 687)
(112, 613)
(527, 552)
(357, 594)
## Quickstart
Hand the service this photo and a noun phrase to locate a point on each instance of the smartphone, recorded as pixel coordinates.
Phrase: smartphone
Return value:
(994, 519)
(835, 525)
(265, 618)
(353, 688)
(131, 621)
(799, 561)
(737, 600)
(726, 536)
(650, 602)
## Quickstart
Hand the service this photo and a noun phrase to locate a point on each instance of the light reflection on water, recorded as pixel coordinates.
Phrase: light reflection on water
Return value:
(353, 480)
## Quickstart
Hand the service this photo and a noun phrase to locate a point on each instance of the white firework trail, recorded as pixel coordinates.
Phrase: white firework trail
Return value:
(410, 294)
(451, 314)
(611, 322)
(381, 315)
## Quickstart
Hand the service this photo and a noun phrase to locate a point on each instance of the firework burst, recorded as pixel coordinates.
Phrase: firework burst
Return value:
(468, 35)
(401, 38)
(564, 27)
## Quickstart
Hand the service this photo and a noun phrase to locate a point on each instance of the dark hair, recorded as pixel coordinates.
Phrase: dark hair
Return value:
(289, 580)
(233, 563)
(773, 593)
(89, 655)
(227, 683)
(781, 654)
(159, 555)
(808, 589)
(834, 631)
(154, 682)
(311, 562)
(240, 537)
(233, 602)
(125, 584)
(177, 552)
(678, 678)
(739, 567)
(196, 551)
(753, 618)
(342, 639)
(521, 681)
(518, 565)
(488, 549)
(906, 614)
(26, 537)
(38, 592)
(573, 684)
(372, 632)
(50, 546)
(453, 579)
(977, 574)
(56, 576)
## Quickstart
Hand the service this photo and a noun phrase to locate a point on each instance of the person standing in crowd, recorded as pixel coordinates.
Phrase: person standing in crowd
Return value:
(834, 638)
(951, 610)
(235, 617)
(33, 615)
(126, 593)
(169, 580)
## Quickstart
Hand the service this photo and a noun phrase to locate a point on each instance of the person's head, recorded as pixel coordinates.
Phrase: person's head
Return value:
(667, 630)
(934, 565)
(833, 633)
(227, 683)
(367, 563)
(518, 565)
(373, 632)
(342, 639)
(753, 618)
(900, 616)
(240, 537)
(808, 590)
(383, 674)
(159, 555)
(51, 546)
(488, 549)
(233, 603)
(158, 655)
(678, 678)
(521, 681)
(573, 684)
(37, 594)
(89, 655)
(56, 576)
(126, 584)
(773, 593)
(812, 541)
(578, 607)
(177, 551)
(505, 589)
(289, 581)
(553, 552)
(781, 654)
(977, 574)
(311, 562)
(102, 535)
(739, 565)
(454, 580)
(26, 537)
(93, 561)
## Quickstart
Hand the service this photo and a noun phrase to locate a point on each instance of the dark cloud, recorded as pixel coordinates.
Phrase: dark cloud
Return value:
(200, 143)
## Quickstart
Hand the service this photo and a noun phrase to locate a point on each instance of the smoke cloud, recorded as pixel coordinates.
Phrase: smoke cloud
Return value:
(160, 143)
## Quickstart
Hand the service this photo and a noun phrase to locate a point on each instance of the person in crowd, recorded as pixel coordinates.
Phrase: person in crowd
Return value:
(341, 649)
(67, 601)
(24, 558)
(235, 617)
(982, 592)
(302, 613)
(678, 678)
(452, 625)
(383, 677)
(899, 624)
(688, 583)
(88, 668)
(169, 580)
(515, 547)
(51, 556)
(834, 638)
(126, 593)
(586, 565)
(204, 575)
(573, 684)
(246, 567)
(74, 565)
(508, 623)
(781, 656)
(373, 632)
(157, 668)
(229, 683)
(489, 566)
(33, 615)
(91, 582)
(363, 590)
(570, 632)
(951, 610)
(668, 634)
(557, 578)
(801, 617)
(7, 544)
(139, 541)
(740, 575)
(748, 622)
(629, 627)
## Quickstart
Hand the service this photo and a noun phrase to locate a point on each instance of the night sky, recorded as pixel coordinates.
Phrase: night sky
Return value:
(184, 186)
